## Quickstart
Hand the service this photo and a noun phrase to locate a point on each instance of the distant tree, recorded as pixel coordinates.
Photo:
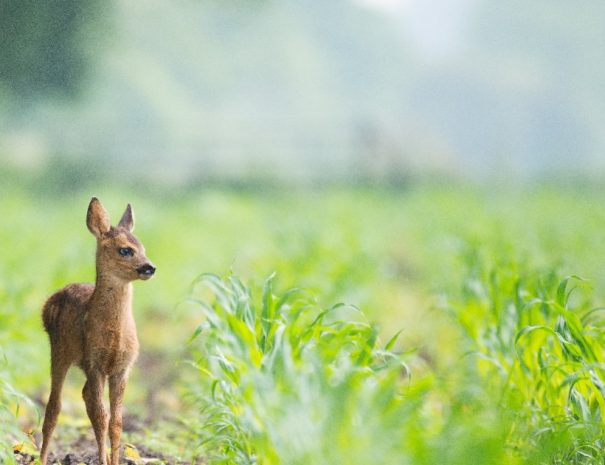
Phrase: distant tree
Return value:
(43, 46)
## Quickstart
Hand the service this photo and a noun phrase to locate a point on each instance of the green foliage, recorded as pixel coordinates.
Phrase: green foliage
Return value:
(539, 347)
(511, 372)
(10, 399)
(283, 381)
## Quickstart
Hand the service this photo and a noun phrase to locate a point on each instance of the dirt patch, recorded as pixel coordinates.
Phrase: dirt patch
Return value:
(85, 452)
(77, 447)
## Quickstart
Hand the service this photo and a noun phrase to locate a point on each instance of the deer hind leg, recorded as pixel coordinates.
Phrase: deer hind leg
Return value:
(93, 398)
(53, 407)
(117, 385)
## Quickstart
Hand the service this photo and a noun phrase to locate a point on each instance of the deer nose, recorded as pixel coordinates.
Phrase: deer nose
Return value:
(146, 269)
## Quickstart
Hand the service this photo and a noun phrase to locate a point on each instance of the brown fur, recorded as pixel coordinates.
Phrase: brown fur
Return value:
(92, 326)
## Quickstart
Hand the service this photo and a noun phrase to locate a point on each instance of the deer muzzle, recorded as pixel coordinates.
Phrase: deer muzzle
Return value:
(146, 271)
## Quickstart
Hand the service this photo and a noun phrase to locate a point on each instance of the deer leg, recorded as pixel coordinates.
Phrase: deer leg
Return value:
(117, 385)
(53, 407)
(93, 398)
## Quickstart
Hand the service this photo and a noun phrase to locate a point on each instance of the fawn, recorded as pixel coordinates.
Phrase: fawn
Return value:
(92, 326)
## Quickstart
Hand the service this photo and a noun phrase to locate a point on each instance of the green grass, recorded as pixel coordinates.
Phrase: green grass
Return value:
(538, 344)
(282, 380)
(10, 400)
(504, 365)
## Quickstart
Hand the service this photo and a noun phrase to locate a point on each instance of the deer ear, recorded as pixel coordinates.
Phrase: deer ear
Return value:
(97, 218)
(127, 220)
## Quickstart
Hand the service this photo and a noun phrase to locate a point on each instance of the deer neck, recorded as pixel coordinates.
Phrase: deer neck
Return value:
(112, 297)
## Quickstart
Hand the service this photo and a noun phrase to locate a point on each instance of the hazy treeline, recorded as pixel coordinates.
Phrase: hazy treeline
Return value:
(304, 89)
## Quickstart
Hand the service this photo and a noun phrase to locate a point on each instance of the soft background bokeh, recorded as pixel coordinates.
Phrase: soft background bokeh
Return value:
(374, 152)
(310, 90)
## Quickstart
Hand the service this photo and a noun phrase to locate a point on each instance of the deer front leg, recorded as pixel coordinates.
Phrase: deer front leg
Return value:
(93, 398)
(117, 385)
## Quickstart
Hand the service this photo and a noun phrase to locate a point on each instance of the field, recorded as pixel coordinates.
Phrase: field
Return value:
(435, 324)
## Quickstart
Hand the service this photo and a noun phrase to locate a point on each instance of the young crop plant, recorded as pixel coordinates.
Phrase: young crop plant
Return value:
(540, 347)
(283, 381)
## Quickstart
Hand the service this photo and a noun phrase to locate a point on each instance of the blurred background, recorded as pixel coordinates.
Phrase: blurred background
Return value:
(302, 91)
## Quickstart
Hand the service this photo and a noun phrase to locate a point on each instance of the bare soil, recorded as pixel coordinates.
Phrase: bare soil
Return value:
(84, 451)
(79, 448)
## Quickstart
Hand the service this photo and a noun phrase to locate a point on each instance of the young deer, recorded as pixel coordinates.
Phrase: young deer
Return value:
(92, 326)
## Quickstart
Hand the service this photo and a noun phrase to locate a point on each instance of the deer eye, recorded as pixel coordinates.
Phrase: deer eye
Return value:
(126, 251)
